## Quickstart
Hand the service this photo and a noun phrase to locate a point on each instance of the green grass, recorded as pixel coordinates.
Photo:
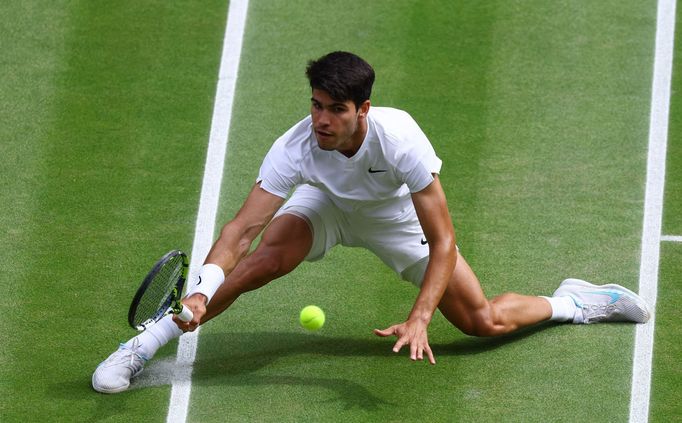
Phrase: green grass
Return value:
(667, 375)
(672, 212)
(107, 142)
(538, 109)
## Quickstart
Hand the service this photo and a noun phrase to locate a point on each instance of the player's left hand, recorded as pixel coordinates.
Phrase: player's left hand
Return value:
(412, 332)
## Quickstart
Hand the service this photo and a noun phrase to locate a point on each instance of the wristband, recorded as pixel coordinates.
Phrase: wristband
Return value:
(211, 277)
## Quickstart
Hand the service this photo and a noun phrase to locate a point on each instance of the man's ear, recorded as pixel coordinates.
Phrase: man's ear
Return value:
(364, 108)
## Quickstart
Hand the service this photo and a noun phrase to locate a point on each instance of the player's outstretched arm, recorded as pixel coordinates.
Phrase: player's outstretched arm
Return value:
(432, 210)
(234, 243)
(238, 234)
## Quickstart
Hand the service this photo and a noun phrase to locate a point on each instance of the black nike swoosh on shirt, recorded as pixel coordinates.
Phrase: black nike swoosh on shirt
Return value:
(199, 283)
(370, 170)
(424, 242)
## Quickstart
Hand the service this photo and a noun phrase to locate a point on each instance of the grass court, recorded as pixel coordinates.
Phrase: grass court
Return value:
(539, 109)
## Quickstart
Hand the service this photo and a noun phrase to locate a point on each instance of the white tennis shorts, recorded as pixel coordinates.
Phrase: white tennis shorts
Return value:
(397, 240)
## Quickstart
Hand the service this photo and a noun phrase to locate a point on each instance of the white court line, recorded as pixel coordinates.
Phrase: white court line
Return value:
(210, 193)
(671, 238)
(653, 208)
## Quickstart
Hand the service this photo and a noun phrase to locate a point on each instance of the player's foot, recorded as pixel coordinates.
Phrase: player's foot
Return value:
(603, 303)
(114, 374)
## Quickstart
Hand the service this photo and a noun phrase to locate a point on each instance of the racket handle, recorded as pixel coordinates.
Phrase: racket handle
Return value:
(185, 314)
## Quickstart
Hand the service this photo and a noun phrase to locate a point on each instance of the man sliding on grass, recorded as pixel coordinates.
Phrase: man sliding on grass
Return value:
(367, 177)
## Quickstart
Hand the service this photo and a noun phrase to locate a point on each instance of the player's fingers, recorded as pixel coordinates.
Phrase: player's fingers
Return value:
(184, 326)
(415, 352)
(385, 332)
(398, 345)
(429, 354)
(190, 326)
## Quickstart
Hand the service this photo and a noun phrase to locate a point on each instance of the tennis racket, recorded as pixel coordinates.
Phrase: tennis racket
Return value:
(160, 292)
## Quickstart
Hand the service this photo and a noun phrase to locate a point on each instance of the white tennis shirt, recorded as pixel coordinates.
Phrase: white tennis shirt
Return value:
(395, 159)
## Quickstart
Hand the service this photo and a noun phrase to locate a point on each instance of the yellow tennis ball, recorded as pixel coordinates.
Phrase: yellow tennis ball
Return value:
(312, 317)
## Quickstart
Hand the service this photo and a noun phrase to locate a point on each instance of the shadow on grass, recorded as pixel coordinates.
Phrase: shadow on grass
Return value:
(241, 352)
(236, 358)
(473, 345)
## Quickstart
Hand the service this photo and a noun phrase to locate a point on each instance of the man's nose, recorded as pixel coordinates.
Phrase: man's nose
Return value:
(323, 117)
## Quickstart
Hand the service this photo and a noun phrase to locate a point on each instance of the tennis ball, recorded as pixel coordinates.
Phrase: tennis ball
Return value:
(312, 317)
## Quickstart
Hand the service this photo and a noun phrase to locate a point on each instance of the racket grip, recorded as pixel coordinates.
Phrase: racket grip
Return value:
(185, 314)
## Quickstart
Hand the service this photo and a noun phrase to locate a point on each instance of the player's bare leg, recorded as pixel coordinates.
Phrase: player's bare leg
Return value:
(466, 307)
(576, 301)
(284, 245)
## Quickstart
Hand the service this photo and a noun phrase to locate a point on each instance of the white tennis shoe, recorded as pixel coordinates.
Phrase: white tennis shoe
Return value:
(113, 374)
(603, 303)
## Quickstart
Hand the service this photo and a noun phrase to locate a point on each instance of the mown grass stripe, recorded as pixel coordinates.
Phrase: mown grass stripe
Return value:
(653, 207)
(210, 193)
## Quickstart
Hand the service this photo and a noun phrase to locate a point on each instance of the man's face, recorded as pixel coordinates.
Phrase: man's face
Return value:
(338, 125)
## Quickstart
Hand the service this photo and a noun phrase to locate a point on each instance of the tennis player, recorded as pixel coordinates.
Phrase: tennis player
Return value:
(361, 176)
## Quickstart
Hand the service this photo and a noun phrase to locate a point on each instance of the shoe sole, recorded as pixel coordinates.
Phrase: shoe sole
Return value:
(108, 391)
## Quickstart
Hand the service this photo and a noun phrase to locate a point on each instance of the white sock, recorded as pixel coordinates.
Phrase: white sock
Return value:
(563, 308)
(156, 336)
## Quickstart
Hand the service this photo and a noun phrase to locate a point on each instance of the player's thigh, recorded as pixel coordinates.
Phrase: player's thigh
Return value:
(285, 243)
(283, 246)
(464, 304)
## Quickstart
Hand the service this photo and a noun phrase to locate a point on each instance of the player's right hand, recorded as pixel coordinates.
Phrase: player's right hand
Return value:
(196, 303)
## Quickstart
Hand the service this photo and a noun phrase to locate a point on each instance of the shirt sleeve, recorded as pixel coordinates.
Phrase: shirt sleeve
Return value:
(418, 160)
(278, 174)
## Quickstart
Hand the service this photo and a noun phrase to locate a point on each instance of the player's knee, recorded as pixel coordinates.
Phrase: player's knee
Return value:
(480, 327)
(485, 322)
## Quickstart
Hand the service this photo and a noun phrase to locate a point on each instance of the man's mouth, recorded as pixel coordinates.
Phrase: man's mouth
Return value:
(323, 134)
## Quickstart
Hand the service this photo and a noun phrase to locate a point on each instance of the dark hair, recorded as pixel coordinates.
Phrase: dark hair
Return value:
(344, 76)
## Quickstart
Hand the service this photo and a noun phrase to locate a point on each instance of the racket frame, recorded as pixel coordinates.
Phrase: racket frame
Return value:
(175, 306)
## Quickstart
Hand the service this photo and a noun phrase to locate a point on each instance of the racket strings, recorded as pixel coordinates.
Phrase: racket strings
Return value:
(159, 294)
